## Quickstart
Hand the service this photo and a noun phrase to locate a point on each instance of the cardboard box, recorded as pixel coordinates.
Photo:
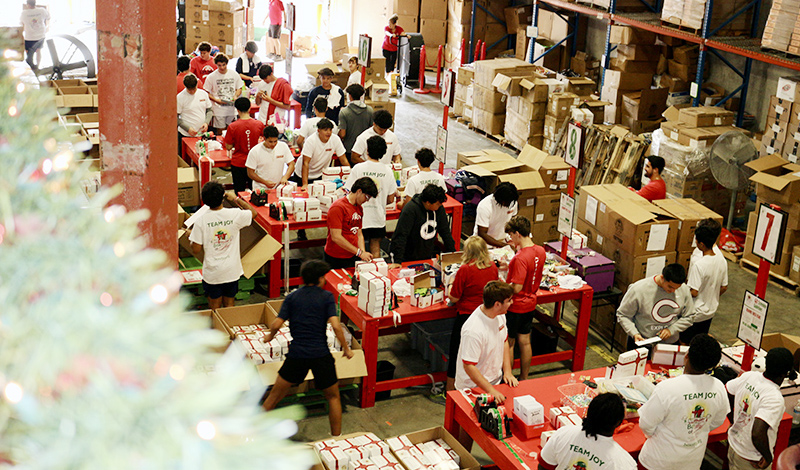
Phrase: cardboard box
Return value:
(488, 99)
(433, 9)
(486, 70)
(409, 23)
(406, 8)
(628, 270)
(627, 80)
(647, 104)
(560, 104)
(75, 97)
(487, 121)
(706, 116)
(196, 15)
(794, 268)
(467, 461)
(220, 18)
(348, 370)
(689, 212)
(339, 47)
(553, 170)
(188, 187)
(638, 52)
(630, 35)
(788, 89)
(777, 180)
(465, 75)
(434, 31)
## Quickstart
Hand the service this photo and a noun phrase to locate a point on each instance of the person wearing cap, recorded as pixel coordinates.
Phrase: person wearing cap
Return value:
(758, 407)
(329, 90)
(248, 63)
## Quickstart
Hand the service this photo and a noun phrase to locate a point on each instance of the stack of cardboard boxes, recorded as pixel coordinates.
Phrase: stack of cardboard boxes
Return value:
(225, 24)
(559, 110)
(526, 106)
(777, 182)
(689, 212)
(691, 13)
(779, 30)
(433, 26)
(462, 104)
(782, 133)
(489, 105)
(540, 179)
(624, 76)
(408, 13)
(487, 28)
(637, 235)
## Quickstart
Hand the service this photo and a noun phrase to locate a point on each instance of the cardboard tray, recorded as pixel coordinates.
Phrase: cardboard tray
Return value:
(468, 462)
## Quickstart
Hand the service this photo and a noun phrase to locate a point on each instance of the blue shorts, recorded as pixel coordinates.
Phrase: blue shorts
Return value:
(215, 291)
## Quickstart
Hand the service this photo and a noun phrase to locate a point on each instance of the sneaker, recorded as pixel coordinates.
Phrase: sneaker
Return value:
(439, 398)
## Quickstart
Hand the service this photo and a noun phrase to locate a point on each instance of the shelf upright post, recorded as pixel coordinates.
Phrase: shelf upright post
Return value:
(529, 42)
(701, 60)
(574, 42)
(612, 9)
(471, 32)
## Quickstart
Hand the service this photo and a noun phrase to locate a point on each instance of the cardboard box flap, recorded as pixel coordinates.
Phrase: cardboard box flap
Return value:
(532, 157)
(526, 181)
(502, 166)
(773, 182)
(633, 212)
(672, 113)
(259, 254)
(345, 368)
(766, 163)
(478, 170)
(423, 280)
(313, 69)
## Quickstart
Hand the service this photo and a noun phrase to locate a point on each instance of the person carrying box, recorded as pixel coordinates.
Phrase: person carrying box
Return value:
(308, 310)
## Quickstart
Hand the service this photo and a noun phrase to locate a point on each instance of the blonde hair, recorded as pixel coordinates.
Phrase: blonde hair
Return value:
(477, 252)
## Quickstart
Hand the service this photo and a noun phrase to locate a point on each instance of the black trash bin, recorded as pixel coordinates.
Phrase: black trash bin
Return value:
(385, 372)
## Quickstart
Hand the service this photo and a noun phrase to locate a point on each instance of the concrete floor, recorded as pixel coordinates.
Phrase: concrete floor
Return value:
(412, 409)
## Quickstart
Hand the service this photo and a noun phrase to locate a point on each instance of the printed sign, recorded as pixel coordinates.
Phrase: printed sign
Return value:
(770, 229)
(752, 320)
(566, 215)
(364, 50)
(574, 145)
(448, 88)
(290, 18)
(441, 143)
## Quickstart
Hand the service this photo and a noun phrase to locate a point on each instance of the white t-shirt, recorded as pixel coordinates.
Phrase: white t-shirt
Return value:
(34, 23)
(383, 176)
(263, 108)
(392, 144)
(269, 164)
(570, 448)
(223, 87)
(706, 275)
(483, 341)
(696, 254)
(678, 417)
(417, 183)
(492, 215)
(321, 155)
(355, 78)
(755, 396)
(192, 109)
(218, 232)
(310, 127)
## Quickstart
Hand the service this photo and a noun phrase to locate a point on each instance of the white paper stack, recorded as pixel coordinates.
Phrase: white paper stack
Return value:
(431, 455)
(375, 294)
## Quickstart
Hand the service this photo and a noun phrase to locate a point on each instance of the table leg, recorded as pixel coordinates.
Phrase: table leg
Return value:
(782, 439)
(369, 342)
(458, 213)
(286, 257)
(275, 265)
(450, 422)
(582, 331)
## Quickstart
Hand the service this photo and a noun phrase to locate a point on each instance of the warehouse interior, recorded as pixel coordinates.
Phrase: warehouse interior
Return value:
(571, 102)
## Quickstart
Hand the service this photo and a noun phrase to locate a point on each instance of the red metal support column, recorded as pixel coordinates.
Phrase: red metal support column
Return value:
(138, 111)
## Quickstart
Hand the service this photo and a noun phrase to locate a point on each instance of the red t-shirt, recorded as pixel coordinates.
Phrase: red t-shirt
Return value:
(348, 218)
(275, 12)
(391, 43)
(180, 81)
(281, 91)
(654, 190)
(468, 286)
(525, 268)
(201, 68)
(243, 134)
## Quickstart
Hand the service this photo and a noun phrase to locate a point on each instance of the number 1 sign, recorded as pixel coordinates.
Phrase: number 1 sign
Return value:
(770, 228)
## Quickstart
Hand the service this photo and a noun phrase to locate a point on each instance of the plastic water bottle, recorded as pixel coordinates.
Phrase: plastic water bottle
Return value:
(572, 381)
(796, 413)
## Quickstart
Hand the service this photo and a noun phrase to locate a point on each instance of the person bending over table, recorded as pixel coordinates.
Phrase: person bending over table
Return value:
(524, 274)
(477, 269)
(683, 410)
(419, 223)
(484, 357)
(592, 446)
(657, 306)
(382, 121)
(318, 152)
(758, 407)
(271, 162)
(308, 311)
(345, 243)
(194, 110)
(493, 212)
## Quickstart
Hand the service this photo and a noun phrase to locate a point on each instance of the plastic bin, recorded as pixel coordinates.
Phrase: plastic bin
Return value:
(573, 394)
(385, 372)
(440, 352)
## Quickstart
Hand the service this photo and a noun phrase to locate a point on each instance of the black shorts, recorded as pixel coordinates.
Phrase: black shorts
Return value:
(518, 324)
(215, 291)
(33, 46)
(339, 263)
(694, 330)
(374, 233)
(274, 31)
(324, 369)
(297, 179)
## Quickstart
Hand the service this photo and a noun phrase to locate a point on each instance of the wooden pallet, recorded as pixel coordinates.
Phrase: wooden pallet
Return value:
(685, 29)
(734, 257)
(777, 280)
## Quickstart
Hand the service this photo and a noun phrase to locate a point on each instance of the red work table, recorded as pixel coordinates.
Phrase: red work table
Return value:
(372, 327)
(215, 158)
(294, 107)
(459, 415)
(279, 230)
